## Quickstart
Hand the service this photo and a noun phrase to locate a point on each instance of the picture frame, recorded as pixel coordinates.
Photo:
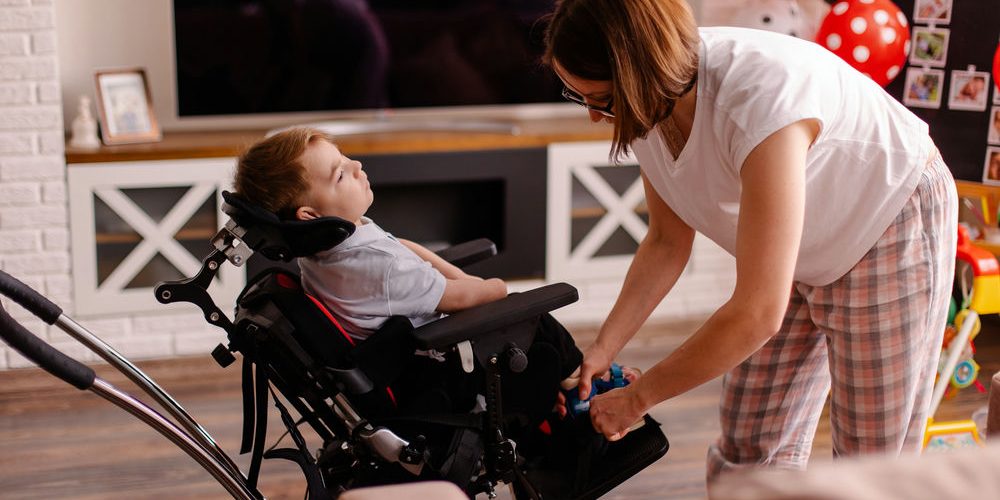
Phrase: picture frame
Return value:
(125, 107)
(923, 88)
(969, 90)
(991, 166)
(932, 11)
(993, 135)
(930, 46)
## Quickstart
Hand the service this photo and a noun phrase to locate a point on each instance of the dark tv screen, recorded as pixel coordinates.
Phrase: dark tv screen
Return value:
(277, 56)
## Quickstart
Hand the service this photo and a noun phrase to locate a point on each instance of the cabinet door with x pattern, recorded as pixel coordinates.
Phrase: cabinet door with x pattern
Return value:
(134, 224)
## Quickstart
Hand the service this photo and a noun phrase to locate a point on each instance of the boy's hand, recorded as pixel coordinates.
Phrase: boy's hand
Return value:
(560, 407)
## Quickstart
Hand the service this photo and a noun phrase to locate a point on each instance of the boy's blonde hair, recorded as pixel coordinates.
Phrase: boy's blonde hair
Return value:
(647, 49)
(269, 173)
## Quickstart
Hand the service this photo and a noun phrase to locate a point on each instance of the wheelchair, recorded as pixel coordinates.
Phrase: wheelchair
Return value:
(377, 420)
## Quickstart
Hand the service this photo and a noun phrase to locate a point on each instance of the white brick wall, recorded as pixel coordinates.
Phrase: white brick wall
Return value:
(31, 156)
(34, 224)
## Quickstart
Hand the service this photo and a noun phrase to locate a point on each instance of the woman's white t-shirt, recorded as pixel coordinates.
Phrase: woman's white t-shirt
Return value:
(863, 166)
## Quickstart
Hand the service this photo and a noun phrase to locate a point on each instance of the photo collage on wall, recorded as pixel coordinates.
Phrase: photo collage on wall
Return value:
(928, 85)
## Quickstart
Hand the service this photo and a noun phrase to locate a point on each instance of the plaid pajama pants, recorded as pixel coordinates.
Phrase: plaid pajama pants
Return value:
(873, 336)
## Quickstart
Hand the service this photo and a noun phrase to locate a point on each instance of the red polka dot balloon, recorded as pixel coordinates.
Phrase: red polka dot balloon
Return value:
(996, 68)
(871, 35)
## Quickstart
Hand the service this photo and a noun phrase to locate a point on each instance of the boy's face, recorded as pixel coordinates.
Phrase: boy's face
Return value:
(337, 185)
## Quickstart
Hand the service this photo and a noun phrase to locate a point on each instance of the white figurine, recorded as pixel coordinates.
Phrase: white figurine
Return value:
(84, 127)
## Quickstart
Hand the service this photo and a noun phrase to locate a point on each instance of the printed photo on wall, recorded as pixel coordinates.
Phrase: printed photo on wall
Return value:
(923, 88)
(991, 167)
(932, 11)
(969, 90)
(930, 46)
(993, 137)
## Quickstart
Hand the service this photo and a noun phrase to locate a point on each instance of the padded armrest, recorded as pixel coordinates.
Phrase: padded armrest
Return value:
(480, 320)
(470, 252)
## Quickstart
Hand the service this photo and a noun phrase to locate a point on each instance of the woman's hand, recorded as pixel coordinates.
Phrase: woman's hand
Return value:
(596, 362)
(614, 412)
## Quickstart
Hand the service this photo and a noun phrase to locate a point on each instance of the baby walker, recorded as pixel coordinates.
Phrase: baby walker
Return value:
(978, 278)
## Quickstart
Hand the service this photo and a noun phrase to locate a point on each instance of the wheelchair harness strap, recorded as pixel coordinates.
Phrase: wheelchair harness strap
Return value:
(260, 383)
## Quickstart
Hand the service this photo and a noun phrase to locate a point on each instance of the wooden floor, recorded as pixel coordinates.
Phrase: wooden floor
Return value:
(56, 442)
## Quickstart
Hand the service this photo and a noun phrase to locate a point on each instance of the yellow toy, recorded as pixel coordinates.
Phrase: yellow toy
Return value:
(958, 369)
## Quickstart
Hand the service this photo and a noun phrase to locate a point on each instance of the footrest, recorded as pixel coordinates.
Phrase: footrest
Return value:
(626, 457)
(622, 459)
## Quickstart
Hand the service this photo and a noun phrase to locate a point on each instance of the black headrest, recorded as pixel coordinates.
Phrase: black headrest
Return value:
(280, 239)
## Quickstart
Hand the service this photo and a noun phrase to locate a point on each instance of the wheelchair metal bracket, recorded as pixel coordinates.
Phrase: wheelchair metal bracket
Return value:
(230, 246)
(195, 291)
(381, 441)
(229, 241)
(391, 448)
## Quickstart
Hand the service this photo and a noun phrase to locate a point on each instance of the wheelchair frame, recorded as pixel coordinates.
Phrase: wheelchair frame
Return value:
(236, 243)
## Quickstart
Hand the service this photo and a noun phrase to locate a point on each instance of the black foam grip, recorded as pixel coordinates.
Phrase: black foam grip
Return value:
(29, 298)
(49, 358)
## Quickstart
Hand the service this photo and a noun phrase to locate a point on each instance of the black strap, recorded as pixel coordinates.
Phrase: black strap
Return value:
(260, 431)
(314, 480)
(300, 455)
(469, 420)
(248, 412)
(248, 424)
(463, 457)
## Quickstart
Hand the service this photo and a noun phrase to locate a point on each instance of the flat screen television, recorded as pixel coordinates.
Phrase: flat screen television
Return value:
(253, 57)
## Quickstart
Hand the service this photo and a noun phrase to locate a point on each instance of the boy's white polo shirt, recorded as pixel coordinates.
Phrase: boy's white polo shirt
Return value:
(371, 276)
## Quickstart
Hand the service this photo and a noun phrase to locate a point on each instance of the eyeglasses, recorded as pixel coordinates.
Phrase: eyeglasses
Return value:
(571, 96)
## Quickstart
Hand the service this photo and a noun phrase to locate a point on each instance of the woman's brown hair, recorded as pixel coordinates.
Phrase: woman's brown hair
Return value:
(647, 49)
(269, 173)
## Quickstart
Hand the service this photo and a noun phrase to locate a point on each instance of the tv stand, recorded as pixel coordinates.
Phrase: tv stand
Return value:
(389, 125)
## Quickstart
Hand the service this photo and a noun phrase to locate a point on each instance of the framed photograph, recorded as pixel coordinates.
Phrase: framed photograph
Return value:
(930, 46)
(991, 166)
(969, 90)
(993, 136)
(996, 94)
(923, 88)
(125, 107)
(932, 11)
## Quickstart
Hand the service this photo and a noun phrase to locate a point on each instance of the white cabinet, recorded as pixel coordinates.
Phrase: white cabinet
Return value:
(134, 224)
(596, 212)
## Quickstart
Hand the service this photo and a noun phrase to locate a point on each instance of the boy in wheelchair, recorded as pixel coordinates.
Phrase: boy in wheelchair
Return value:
(376, 290)
(300, 174)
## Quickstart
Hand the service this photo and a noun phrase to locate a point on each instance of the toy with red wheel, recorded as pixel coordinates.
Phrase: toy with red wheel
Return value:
(978, 288)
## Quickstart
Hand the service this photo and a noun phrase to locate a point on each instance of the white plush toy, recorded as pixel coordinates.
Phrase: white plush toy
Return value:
(799, 18)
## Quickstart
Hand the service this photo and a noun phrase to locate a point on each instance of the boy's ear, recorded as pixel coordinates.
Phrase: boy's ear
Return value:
(306, 213)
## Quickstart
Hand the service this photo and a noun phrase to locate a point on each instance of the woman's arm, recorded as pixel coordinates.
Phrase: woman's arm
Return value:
(772, 209)
(654, 270)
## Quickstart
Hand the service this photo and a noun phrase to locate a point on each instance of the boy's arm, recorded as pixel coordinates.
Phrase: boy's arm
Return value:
(444, 267)
(462, 294)
(461, 290)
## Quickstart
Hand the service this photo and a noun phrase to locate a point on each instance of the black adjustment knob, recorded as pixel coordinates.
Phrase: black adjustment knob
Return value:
(517, 360)
(223, 356)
